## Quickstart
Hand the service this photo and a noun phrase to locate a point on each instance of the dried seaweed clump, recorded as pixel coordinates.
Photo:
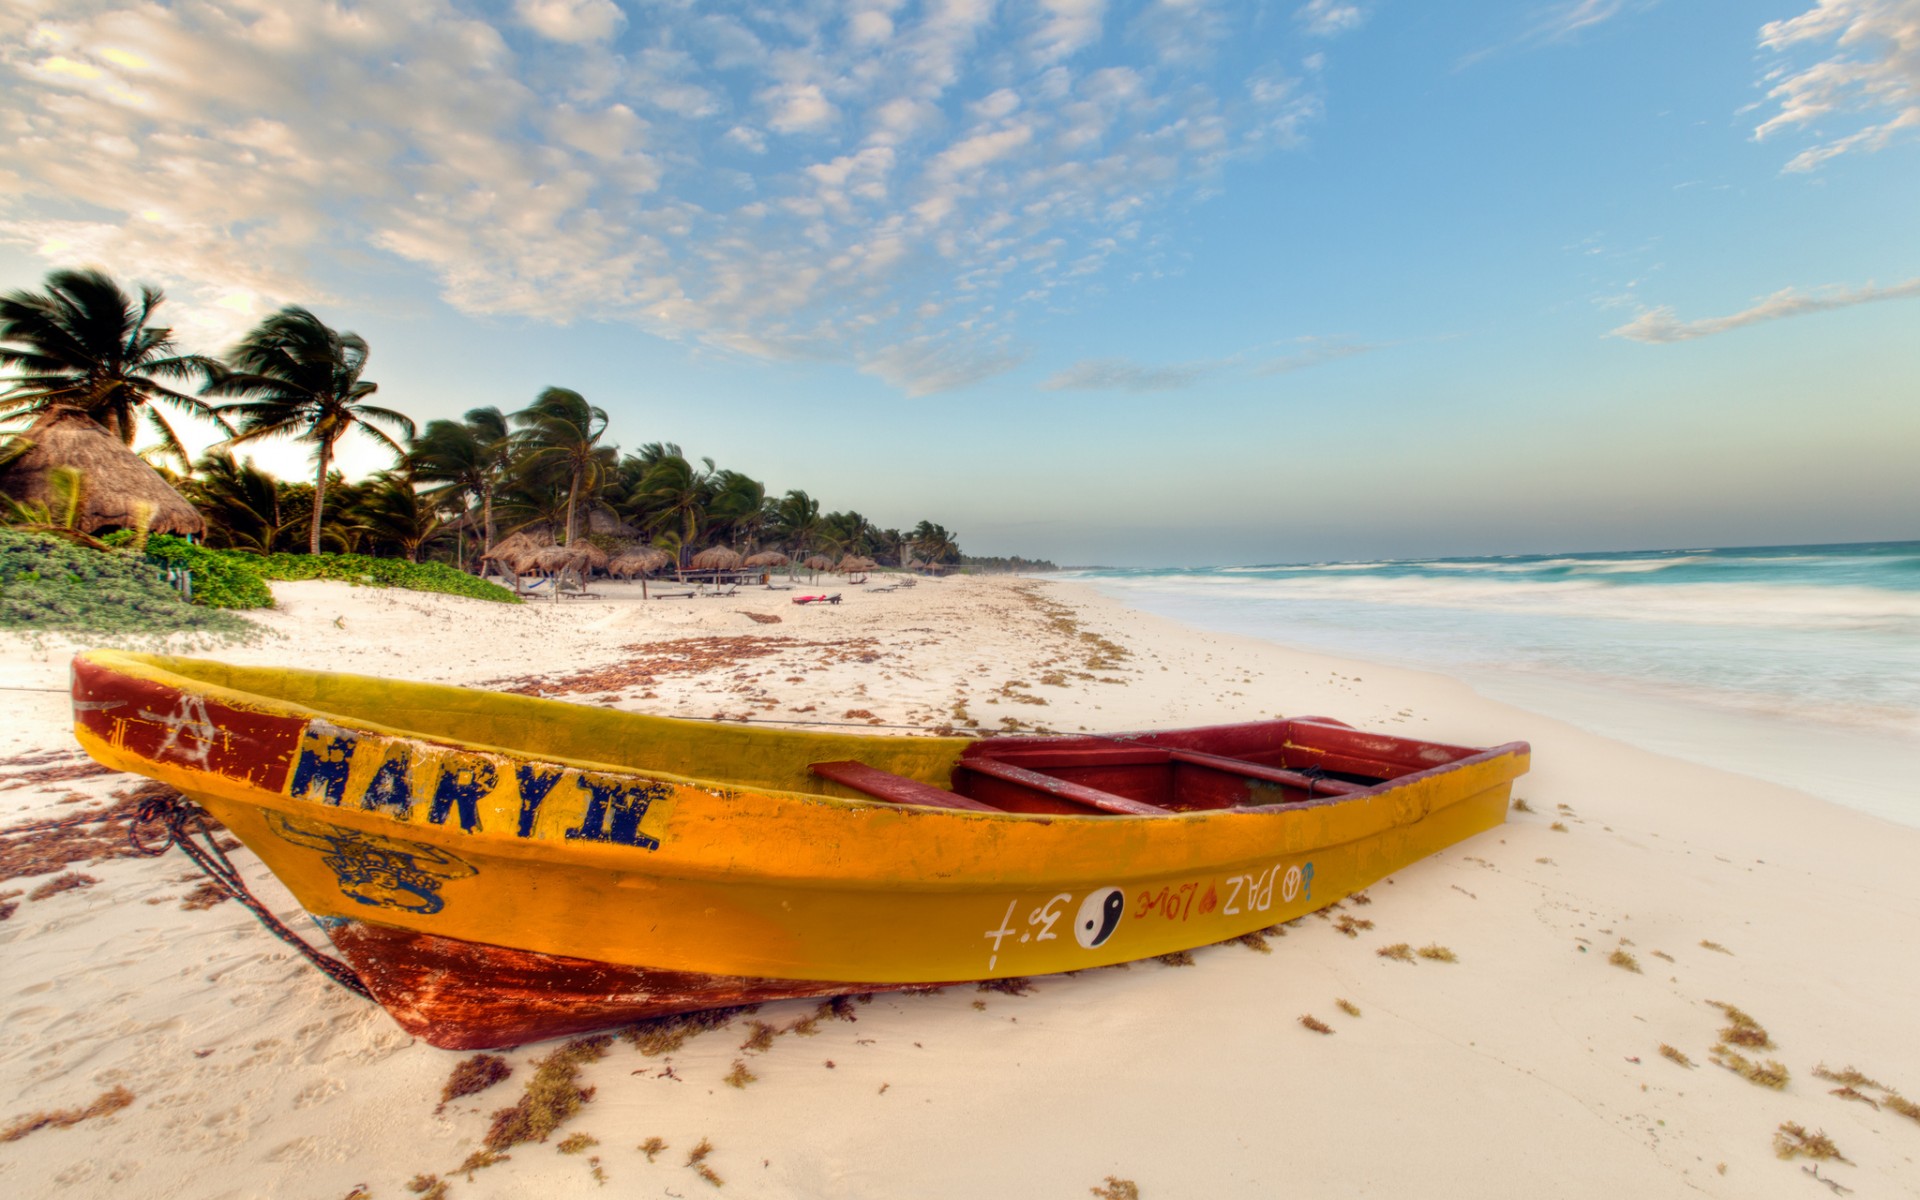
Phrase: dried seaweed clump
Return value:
(1351, 926)
(740, 1077)
(1851, 1080)
(1179, 958)
(1253, 941)
(1435, 952)
(1625, 961)
(107, 1102)
(551, 1097)
(1348, 1007)
(1770, 1074)
(475, 1074)
(1520, 805)
(66, 881)
(1117, 1189)
(651, 1147)
(1316, 1024)
(1793, 1141)
(1398, 952)
(663, 1035)
(576, 1143)
(428, 1187)
(1716, 947)
(1676, 1054)
(697, 1159)
(1742, 1030)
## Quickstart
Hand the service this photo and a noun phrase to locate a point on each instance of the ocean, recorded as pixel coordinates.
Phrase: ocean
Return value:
(1796, 664)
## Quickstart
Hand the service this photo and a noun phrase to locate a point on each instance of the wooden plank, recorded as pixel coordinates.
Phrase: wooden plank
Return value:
(895, 789)
(1044, 758)
(1060, 789)
(1312, 786)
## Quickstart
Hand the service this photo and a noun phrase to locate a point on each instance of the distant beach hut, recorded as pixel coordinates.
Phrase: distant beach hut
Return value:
(118, 490)
(554, 559)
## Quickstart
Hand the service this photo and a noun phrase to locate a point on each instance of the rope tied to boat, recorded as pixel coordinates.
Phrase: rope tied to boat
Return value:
(180, 819)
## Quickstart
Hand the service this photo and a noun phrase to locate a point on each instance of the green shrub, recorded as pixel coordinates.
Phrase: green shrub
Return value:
(221, 578)
(48, 584)
(237, 579)
(367, 571)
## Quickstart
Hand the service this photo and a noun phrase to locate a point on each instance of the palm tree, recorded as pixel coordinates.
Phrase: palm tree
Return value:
(240, 501)
(678, 494)
(390, 510)
(299, 377)
(796, 518)
(739, 508)
(86, 344)
(468, 457)
(561, 427)
(934, 544)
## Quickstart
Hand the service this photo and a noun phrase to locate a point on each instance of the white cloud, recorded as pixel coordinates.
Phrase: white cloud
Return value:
(1313, 352)
(952, 168)
(1559, 23)
(1330, 18)
(571, 20)
(1120, 375)
(1871, 73)
(798, 108)
(1659, 326)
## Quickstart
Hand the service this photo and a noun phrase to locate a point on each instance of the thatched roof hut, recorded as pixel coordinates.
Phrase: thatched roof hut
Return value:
(644, 560)
(118, 489)
(854, 562)
(716, 558)
(818, 562)
(767, 558)
(603, 520)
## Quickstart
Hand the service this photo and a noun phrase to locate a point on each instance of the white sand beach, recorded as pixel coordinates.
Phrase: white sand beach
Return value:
(1532, 1066)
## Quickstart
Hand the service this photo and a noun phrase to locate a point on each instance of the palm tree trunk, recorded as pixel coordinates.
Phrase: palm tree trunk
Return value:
(572, 493)
(319, 497)
(486, 514)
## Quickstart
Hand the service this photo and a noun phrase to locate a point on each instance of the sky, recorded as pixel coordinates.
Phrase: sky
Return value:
(1175, 282)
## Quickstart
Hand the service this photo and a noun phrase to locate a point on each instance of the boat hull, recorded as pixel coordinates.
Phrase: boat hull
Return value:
(495, 884)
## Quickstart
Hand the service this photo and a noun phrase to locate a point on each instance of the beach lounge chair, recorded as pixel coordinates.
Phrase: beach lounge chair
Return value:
(674, 595)
(821, 599)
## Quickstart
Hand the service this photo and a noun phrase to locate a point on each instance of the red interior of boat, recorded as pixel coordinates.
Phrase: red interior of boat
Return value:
(1222, 766)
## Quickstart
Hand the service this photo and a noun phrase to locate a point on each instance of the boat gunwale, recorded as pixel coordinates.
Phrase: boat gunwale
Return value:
(263, 702)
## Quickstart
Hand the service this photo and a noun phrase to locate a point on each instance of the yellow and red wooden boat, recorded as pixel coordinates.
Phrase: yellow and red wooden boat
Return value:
(499, 868)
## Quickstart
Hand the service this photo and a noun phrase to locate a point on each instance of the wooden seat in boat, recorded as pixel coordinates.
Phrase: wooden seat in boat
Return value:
(895, 789)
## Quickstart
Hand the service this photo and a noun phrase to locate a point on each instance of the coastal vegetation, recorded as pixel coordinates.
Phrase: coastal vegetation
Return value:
(89, 366)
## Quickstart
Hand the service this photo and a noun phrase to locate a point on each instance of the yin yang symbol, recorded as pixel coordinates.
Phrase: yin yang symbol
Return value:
(1099, 916)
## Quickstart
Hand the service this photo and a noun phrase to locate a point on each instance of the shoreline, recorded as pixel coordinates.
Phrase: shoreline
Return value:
(1853, 764)
(253, 1075)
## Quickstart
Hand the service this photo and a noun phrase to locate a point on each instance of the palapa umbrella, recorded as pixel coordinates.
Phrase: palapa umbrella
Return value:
(716, 558)
(592, 556)
(555, 559)
(817, 563)
(767, 558)
(853, 563)
(513, 552)
(642, 561)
